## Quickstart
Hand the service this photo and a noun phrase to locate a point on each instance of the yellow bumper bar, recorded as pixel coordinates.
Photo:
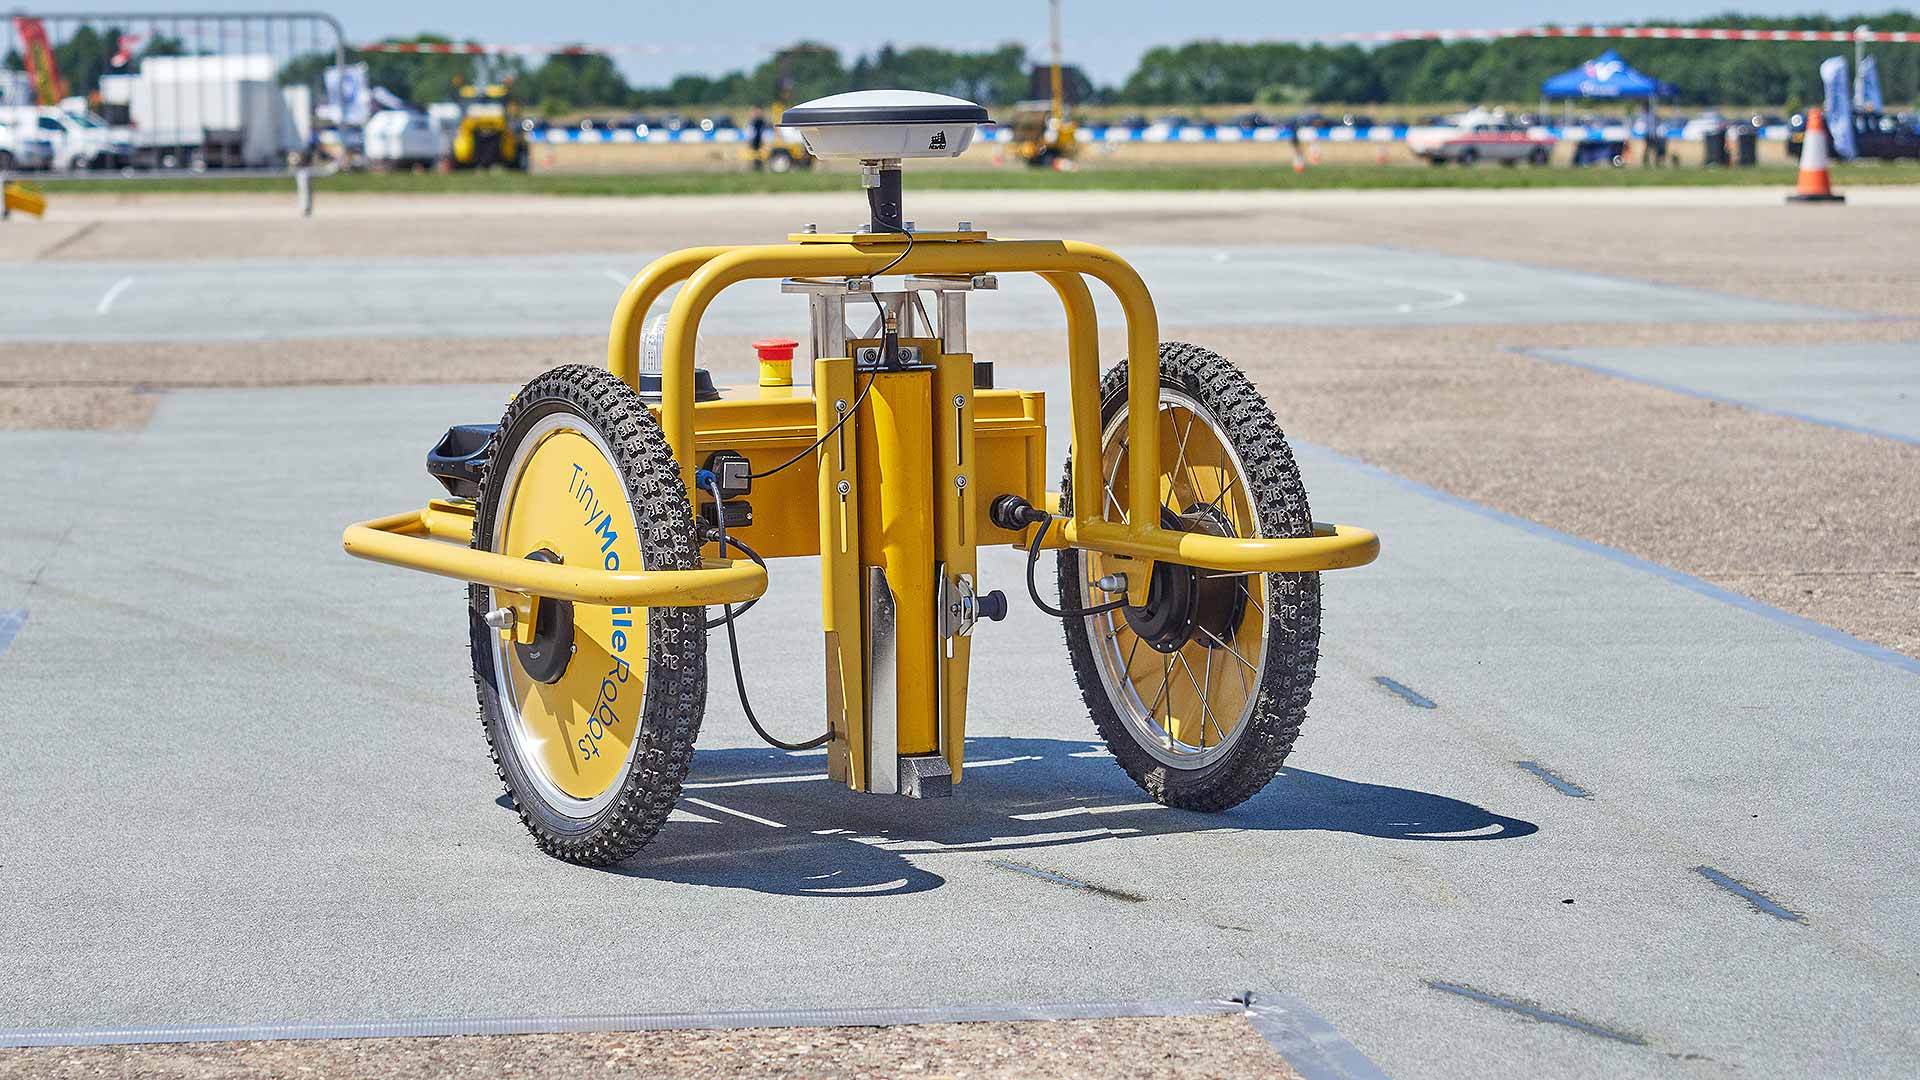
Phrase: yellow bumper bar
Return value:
(1331, 547)
(434, 540)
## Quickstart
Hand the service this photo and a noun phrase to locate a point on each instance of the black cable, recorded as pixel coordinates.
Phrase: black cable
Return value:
(1033, 590)
(862, 396)
(733, 647)
(821, 441)
(725, 542)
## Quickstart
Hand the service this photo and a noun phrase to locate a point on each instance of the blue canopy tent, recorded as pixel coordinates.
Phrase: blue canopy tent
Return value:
(1606, 77)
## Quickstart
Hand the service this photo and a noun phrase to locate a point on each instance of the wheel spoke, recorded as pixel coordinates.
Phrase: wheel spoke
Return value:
(1206, 713)
(1180, 458)
(1206, 695)
(1228, 646)
(1119, 456)
(1257, 606)
(1229, 486)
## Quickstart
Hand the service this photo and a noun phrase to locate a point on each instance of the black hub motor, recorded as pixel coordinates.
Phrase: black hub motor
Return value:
(1185, 602)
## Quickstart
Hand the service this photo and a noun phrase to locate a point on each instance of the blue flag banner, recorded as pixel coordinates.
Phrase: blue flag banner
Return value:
(1866, 91)
(349, 92)
(1839, 105)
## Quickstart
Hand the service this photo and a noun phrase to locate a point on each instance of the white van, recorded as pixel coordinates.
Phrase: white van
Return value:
(79, 142)
(399, 139)
(23, 150)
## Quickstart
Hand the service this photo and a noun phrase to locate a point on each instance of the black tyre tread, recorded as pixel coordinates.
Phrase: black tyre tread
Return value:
(1293, 605)
(676, 675)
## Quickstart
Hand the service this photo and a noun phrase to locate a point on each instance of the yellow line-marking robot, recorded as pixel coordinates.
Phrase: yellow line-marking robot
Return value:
(611, 509)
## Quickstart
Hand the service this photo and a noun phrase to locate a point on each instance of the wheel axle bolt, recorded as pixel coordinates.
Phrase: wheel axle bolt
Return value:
(1112, 583)
(499, 618)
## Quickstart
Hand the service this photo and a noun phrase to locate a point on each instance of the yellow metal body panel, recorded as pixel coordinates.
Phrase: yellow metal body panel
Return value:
(769, 425)
(838, 541)
(956, 499)
(893, 429)
(579, 752)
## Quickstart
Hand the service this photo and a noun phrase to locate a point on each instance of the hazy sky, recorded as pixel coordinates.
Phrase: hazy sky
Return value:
(1105, 38)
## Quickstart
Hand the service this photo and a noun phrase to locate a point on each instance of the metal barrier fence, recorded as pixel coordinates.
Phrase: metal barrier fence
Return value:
(143, 94)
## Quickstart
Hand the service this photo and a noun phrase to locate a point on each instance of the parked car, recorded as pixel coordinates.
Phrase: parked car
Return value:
(1480, 135)
(1875, 135)
(79, 142)
(1135, 122)
(403, 139)
(1310, 120)
(1251, 120)
(23, 151)
(711, 124)
(1356, 120)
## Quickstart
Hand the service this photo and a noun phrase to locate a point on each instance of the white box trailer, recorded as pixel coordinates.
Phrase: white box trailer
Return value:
(211, 110)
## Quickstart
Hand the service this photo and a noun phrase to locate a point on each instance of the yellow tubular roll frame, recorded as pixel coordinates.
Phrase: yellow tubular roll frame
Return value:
(708, 271)
(435, 540)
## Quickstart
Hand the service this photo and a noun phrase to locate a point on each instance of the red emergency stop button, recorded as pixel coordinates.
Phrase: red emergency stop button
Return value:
(776, 360)
(776, 348)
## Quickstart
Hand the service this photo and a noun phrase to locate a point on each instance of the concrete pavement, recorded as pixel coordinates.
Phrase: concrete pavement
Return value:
(246, 785)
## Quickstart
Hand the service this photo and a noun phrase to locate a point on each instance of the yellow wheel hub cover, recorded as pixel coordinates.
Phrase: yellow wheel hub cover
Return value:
(569, 499)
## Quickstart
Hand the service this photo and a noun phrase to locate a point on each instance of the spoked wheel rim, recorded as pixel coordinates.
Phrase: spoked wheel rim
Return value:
(1185, 671)
(573, 728)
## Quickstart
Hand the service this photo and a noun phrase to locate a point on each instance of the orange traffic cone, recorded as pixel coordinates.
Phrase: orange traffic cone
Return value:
(1815, 186)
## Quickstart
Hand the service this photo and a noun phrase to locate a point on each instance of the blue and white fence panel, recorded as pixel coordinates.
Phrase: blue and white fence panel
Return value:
(1115, 134)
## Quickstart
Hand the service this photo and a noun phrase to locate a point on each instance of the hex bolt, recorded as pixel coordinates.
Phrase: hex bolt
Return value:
(843, 487)
(959, 401)
(960, 482)
(1112, 583)
(964, 226)
(499, 618)
(810, 227)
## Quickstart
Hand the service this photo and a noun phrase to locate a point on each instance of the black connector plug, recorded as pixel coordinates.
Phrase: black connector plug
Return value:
(1013, 513)
(732, 472)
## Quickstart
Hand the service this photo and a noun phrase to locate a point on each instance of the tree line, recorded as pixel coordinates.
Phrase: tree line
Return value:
(1195, 73)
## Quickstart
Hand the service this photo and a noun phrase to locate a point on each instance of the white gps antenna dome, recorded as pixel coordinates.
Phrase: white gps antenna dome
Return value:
(880, 127)
(874, 125)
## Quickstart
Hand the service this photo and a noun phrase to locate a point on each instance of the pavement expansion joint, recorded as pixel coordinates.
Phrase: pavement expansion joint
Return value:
(1413, 697)
(1536, 1012)
(1760, 901)
(1554, 780)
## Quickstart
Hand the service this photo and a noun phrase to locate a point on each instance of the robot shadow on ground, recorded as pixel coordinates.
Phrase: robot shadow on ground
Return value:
(771, 822)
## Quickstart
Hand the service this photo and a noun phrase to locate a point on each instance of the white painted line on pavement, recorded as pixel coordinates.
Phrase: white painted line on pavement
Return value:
(754, 781)
(735, 813)
(106, 302)
(1124, 808)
